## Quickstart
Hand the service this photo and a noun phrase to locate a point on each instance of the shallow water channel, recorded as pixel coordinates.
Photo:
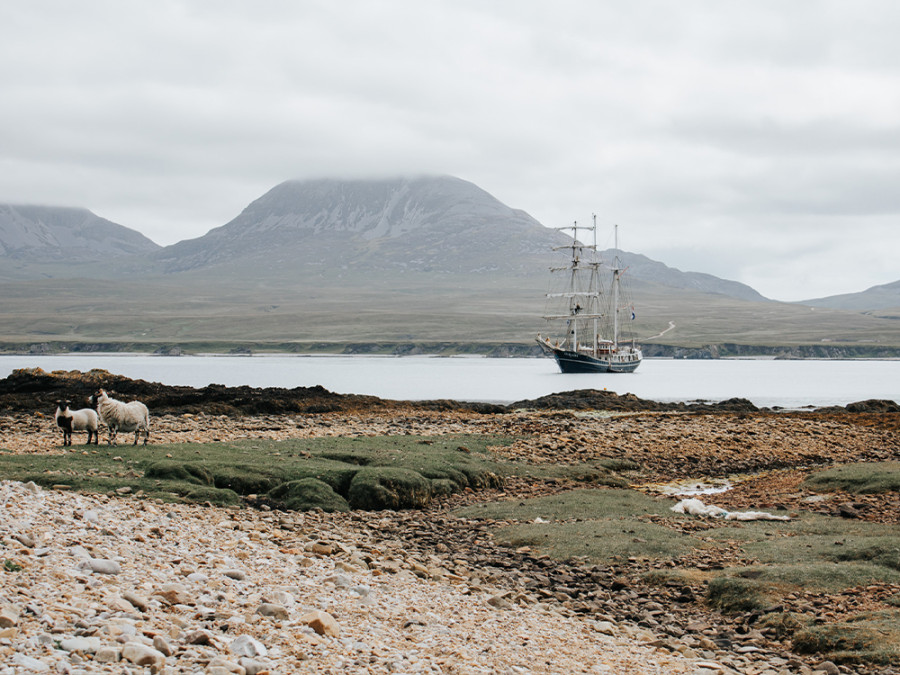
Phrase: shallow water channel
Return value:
(689, 487)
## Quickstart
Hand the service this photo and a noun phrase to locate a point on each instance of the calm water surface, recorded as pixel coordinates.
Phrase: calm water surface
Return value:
(765, 382)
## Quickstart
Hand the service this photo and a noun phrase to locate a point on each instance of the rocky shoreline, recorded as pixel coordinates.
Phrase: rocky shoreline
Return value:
(111, 583)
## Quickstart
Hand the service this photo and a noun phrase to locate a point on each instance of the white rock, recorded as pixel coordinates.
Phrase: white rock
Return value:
(80, 552)
(88, 645)
(142, 655)
(246, 645)
(275, 611)
(282, 598)
(100, 566)
(162, 645)
(121, 627)
(138, 601)
(29, 664)
(361, 590)
(221, 665)
(605, 627)
(107, 655)
(252, 666)
(9, 616)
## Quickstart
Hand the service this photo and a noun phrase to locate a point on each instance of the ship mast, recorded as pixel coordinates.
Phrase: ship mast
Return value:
(616, 272)
(594, 282)
(582, 293)
(573, 302)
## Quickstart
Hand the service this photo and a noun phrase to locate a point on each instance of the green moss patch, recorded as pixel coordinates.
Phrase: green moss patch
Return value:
(179, 471)
(379, 488)
(603, 524)
(398, 471)
(203, 494)
(862, 478)
(306, 494)
(599, 540)
(582, 504)
(818, 553)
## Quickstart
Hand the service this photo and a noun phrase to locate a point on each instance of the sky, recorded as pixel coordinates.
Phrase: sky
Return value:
(756, 141)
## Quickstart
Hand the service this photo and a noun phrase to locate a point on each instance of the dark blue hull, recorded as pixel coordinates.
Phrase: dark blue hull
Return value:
(573, 362)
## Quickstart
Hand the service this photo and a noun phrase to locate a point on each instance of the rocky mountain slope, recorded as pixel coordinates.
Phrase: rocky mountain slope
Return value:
(44, 234)
(428, 224)
(303, 231)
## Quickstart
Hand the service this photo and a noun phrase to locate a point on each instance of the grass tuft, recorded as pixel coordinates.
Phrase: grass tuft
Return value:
(785, 624)
(736, 594)
(872, 637)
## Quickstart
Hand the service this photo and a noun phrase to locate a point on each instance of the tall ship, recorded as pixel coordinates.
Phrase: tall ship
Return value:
(585, 314)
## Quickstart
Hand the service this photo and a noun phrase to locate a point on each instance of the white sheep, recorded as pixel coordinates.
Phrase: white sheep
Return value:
(76, 420)
(119, 416)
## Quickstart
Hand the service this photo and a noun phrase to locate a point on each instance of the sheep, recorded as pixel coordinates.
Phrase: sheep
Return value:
(119, 416)
(76, 420)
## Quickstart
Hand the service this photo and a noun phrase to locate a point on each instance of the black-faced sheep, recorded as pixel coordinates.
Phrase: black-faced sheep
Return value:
(76, 420)
(119, 416)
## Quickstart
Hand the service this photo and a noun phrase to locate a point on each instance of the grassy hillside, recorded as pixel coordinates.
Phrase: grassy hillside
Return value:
(423, 308)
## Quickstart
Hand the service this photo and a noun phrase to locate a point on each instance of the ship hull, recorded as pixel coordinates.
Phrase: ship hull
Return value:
(575, 362)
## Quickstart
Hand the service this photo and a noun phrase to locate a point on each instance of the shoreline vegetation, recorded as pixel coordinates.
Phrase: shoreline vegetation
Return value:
(549, 510)
(830, 350)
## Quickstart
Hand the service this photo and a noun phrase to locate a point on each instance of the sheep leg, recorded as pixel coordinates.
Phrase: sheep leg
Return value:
(65, 423)
(112, 436)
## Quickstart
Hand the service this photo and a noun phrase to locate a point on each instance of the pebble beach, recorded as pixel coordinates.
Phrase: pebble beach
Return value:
(114, 583)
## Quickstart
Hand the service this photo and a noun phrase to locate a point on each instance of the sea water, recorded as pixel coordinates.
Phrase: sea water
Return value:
(765, 382)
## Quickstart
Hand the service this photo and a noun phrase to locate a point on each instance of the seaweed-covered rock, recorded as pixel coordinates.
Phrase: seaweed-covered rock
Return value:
(306, 494)
(873, 405)
(28, 389)
(377, 488)
(594, 399)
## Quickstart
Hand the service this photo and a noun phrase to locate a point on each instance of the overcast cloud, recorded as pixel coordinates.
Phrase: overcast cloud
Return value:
(757, 141)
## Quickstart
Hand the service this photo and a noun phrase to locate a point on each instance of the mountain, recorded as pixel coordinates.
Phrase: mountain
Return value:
(432, 230)
(430, 259)
(643, 268)
(885, 296)
(436, 225)
(43, 234)
(392, 231)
